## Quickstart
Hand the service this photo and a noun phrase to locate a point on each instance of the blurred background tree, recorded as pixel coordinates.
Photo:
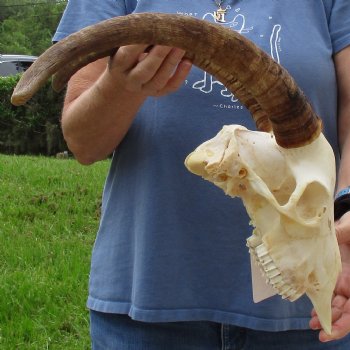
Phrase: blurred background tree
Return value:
(27, 26)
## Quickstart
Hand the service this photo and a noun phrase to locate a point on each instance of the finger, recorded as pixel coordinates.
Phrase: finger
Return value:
(165, 71)
(342, 228)
(338, 303)
(145, 53)
(339, 329)
(314, 323)
(142, 56)
(145, 70)
(313, 311)
(127, 57)
(178, 78)
(343, 284)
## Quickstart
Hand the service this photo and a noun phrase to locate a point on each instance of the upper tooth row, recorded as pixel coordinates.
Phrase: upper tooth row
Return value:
(270, 270)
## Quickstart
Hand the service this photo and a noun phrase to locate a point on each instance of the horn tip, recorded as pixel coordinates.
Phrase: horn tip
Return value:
(18, 99)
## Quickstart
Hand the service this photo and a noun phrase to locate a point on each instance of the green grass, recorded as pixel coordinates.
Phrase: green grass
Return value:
(49, 212)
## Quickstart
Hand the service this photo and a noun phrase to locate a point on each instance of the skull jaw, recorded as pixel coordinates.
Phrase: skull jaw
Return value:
(289, 192)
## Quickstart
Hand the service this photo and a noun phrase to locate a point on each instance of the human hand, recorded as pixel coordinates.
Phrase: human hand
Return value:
(341, 295)
(157, 72)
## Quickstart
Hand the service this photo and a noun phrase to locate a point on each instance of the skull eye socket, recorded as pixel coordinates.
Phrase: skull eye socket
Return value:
(310, 205)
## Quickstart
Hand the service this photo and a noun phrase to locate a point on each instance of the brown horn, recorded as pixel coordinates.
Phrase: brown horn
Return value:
(261, 84)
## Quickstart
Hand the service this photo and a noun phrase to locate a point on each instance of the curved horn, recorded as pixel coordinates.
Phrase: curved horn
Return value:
(261, 84)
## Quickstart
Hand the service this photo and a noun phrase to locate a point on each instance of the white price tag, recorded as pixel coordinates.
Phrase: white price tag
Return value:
(261, 289)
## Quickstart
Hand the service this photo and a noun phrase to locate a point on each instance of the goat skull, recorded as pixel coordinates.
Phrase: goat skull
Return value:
(288, 196)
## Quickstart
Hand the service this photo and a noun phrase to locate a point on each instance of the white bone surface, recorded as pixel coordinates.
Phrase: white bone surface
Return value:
(288, 194)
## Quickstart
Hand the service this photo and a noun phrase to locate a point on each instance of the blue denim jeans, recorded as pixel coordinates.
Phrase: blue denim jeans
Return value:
(120, 332)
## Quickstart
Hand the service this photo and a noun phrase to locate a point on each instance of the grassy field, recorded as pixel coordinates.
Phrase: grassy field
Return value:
(49, 211)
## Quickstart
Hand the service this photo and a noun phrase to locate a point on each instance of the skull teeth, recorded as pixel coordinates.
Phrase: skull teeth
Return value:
(269, 269)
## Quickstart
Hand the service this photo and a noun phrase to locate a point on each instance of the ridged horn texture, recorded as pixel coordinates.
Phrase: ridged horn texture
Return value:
(260, 83)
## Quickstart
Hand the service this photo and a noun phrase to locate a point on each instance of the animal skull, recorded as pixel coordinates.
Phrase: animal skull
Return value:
(288, 194)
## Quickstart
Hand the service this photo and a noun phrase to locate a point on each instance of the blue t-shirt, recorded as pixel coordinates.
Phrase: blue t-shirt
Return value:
(170, 246)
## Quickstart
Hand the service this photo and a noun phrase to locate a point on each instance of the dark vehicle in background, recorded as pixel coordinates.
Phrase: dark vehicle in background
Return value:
(13, 64)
